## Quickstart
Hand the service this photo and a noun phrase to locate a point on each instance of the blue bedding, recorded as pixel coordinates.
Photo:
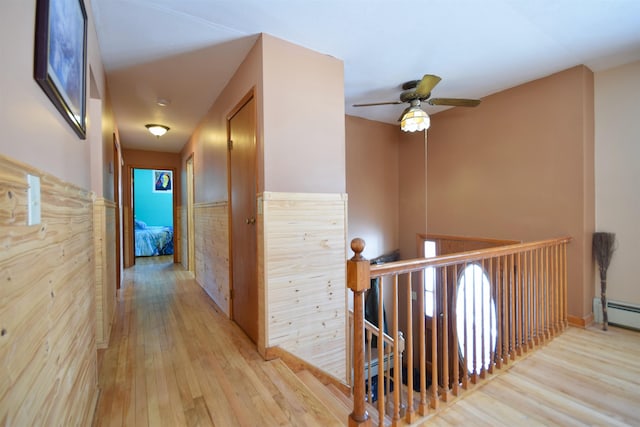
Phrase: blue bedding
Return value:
(153, 240)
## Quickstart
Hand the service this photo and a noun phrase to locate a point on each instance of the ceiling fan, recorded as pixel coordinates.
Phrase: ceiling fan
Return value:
(413, 118)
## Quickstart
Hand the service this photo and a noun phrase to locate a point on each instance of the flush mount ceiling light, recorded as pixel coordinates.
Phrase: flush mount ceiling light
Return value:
(157, 130)
(415, 119)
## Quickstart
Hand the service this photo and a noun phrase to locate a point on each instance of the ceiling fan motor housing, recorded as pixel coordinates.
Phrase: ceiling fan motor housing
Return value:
(410, 95)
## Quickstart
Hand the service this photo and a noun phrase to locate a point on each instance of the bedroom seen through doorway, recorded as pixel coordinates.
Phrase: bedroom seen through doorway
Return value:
(153, 212)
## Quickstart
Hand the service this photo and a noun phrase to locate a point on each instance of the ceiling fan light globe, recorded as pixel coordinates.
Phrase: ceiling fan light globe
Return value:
(415, 120)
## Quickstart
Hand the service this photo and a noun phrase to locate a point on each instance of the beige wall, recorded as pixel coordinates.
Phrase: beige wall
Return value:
(300, 148)
(413, 191)
(373, 184)
(208, 144)
(617, 92)
(101, 132)
(104, 165)
(33, 131)
(60, 377)
(148, 160)
(520, 166)
(300, 138)
(303, 124)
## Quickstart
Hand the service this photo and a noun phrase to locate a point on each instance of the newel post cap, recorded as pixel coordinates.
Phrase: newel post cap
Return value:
(358, 268)
(357, 246)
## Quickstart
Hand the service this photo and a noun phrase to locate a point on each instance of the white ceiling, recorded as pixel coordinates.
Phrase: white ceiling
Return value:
(187, 50)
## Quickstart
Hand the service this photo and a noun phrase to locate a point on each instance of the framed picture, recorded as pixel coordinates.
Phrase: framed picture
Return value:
(61, 57)
(162, 181)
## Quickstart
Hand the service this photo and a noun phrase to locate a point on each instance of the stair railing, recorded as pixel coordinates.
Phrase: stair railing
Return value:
(489, 307)
(374, 354)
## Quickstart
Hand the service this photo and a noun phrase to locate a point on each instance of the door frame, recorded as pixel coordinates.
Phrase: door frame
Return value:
(130, 226)
(191, 234)
(117, 196)
(243, 101)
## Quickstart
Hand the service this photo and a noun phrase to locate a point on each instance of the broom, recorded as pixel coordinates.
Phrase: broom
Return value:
(603, 247)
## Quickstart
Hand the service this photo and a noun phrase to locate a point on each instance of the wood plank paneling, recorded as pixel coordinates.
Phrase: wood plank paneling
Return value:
(47, 303)
(104, 230)
(212, 251)
(304, 279)
(184, 244)
(178, 238)
(127, 237)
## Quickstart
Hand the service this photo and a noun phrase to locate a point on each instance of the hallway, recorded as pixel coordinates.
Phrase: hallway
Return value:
(175, 360)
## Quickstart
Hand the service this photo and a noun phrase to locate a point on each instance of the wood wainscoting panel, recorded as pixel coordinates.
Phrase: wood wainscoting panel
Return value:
(178, 219)
(127, 237)
(212, 251)
(104, 231)
(48, 372)
(303, 279)
(184, 244)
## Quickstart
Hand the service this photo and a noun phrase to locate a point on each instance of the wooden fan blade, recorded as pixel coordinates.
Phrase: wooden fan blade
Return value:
(426, 85)
(378, 103)
(454, 102)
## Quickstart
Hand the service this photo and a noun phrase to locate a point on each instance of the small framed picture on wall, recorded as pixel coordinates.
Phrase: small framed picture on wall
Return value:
(162, 181)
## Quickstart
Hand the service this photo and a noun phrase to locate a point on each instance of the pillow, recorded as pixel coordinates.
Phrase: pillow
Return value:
(140, 225)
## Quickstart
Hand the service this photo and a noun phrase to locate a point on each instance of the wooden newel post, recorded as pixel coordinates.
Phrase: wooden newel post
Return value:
(358, 281)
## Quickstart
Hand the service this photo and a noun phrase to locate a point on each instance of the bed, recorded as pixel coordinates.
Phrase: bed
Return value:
(153, 240)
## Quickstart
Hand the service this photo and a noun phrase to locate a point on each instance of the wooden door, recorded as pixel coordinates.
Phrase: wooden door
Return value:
(242, 201)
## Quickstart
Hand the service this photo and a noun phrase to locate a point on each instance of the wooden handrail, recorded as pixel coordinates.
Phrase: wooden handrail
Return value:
(408, 266)
(493, 242)
(375, 331)
(490, 307)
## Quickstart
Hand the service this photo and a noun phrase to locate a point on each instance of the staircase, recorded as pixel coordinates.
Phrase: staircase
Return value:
(489, 307)
(334, 400)
(312, 402)
(307, 400)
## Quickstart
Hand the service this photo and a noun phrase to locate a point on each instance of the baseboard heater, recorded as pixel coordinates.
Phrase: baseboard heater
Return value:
(620, 313)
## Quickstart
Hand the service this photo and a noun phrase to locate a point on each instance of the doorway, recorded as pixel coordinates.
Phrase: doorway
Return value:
(191, 233)
(242, 206)
(153, 221)
(116, 166)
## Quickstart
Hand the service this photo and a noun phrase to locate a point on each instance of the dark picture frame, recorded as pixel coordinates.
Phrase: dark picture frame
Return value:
(162, 181)
(60, 63)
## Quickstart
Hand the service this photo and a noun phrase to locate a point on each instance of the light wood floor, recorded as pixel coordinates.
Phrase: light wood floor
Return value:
(175, 360)
(581, 378)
